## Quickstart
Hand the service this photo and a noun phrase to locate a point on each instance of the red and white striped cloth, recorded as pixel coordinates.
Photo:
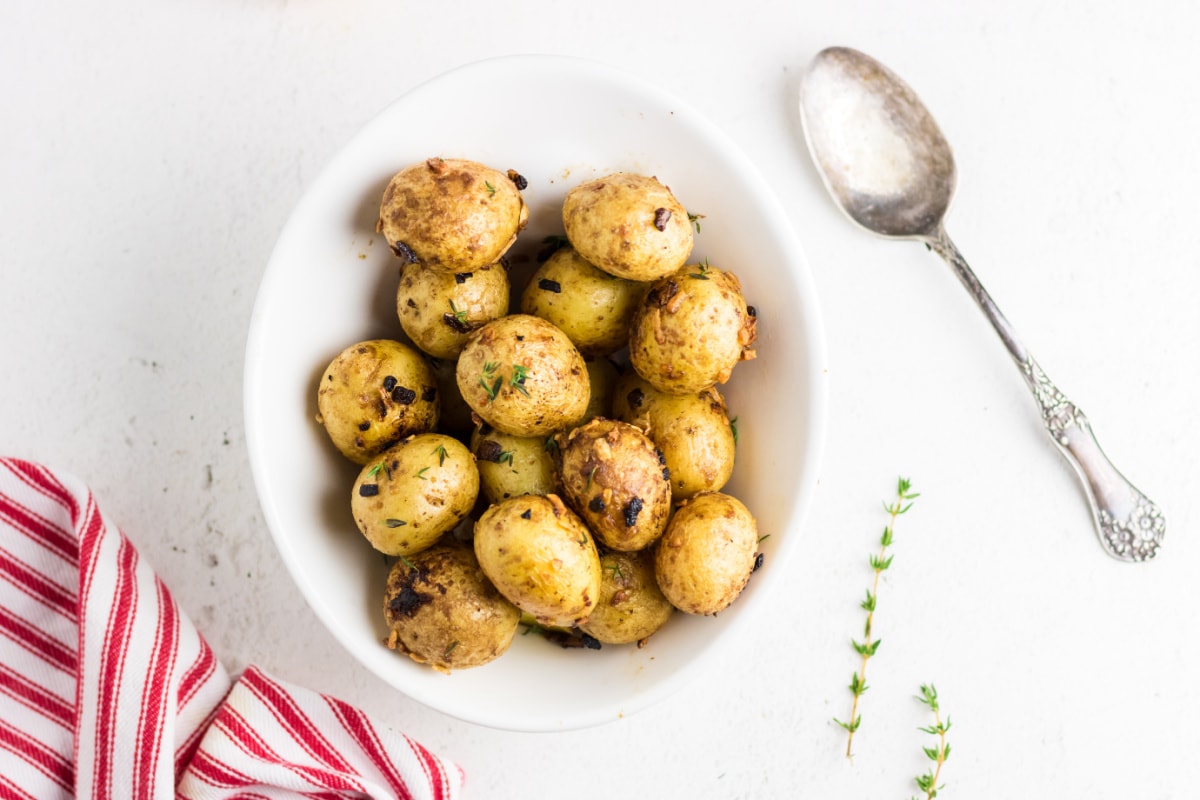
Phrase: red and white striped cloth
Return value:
(108, 691)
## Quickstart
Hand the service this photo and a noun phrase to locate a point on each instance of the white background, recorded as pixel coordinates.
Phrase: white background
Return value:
(151, 152)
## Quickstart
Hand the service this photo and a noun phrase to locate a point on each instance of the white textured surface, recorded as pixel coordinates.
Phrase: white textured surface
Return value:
(150, 153)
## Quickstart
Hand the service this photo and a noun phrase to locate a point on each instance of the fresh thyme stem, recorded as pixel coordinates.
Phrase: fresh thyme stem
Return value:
(869, 646)
(928, 783)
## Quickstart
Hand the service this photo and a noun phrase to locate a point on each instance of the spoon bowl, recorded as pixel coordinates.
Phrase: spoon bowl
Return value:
(889, 168)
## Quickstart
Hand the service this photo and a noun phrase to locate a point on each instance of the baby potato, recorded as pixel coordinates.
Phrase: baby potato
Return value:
(510, 466)
(373, 394)
(442, 611)
(707, 553)
(631, 606)
(616, 479)
(523, 376)
(692, 431)
(602, 379)
(438, 310)
(691, 330)
(541, 557)
(414, 492)
(589, 305)
(628, 225)
(452, 215)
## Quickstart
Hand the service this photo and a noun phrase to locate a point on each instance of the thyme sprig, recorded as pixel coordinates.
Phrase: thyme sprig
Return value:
(519, 373)
(869, 645)
(695, 220)
(492, 387)
(928, 783)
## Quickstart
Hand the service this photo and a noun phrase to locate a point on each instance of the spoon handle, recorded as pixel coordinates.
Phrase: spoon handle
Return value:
(1130, 526)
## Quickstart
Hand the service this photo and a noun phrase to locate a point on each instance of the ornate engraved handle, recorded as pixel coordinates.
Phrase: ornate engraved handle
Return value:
(1130, 526)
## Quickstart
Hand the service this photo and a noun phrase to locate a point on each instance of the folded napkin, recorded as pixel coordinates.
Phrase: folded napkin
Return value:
(107, 690)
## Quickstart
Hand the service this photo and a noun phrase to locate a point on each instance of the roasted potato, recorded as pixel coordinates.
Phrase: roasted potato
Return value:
(373, 394)
(589, 305)
(617, 480)
(510, 466)
(523, 376)
(628, 225)
(691, 330)
(631, 606)
(707, 553)
(414, 492)
(442, 611)
(693, 432)
(540, 556)
(452, 215)
(438, 310)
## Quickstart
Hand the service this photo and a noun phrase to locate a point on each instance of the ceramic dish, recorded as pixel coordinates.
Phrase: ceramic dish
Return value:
(331, 281)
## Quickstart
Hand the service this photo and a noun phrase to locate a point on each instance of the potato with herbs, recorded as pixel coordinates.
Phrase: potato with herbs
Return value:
(693, 432)
(707, 553)
(628, 225)
(452, 215)
(617, 480)
(631, 606)
(692, 329)
(373, 394)
(438, 310)
(523, 376)
(590, 306)
(442, 611)
(413, 493)
(540, 556)
(510, 466)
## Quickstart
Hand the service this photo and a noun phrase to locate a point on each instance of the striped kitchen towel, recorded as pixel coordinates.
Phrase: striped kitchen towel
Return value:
(108, 691)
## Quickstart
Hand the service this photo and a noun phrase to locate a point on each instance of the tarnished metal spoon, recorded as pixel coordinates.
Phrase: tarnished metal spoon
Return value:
(887, 165)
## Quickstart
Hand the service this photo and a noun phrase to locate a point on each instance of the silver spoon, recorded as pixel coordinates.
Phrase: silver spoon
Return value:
(887, 165)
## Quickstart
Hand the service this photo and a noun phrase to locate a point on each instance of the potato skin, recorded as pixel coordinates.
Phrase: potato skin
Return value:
(414, 492)
(451, 215)
(691, 330)
(540, 556)
(442, 611)
(554, 391)
(707, 553)
(373, 394)
(615, 478)
(591, 306)
(439, 310)
(631, 606)
(692, 431)
(510, 466)
(628, 225)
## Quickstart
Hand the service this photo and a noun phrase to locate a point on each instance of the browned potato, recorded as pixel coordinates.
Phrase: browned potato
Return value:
(373, 394)
(617, 481)
(510, 466)
(628, 225)
(541, 557)
(589, 305)
(631, 606)
(692, 431)
(707, 554)
(442, 611)
(414, 492)
(438, 310)
(451, 214)
(523, 376)
(691, 330)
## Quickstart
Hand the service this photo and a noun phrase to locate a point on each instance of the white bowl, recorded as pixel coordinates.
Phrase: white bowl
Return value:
(331, 282)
